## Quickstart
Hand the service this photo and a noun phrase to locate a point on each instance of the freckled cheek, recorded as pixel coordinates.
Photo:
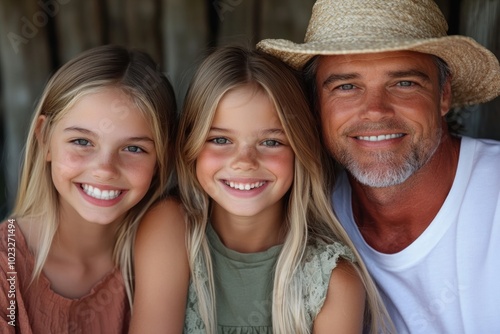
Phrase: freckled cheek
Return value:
(209, 161)
(139, 171)
(66, 164)
(212, 158)
(282, 164)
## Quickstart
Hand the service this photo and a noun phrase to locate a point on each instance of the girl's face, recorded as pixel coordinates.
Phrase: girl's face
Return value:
(246, 163)
(102, 156)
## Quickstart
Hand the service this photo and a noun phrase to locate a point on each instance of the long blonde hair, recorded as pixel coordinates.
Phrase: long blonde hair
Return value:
(136, 74)
(309, 214)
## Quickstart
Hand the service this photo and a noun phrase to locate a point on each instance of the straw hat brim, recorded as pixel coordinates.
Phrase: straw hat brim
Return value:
(475, 70)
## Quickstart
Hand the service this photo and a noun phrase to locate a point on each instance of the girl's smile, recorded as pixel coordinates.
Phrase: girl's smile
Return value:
(245, 189)
(244, 186)
(99, 196)
(95, 192)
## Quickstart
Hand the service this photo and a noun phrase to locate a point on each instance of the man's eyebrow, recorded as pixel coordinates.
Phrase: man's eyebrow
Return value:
(410, 73)
(332, 78)
(339, 77)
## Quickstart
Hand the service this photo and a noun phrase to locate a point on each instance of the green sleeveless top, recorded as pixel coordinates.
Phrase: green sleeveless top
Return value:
(244, 284)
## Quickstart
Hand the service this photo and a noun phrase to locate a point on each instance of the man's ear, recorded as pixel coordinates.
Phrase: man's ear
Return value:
(40, 122)
(446, 97)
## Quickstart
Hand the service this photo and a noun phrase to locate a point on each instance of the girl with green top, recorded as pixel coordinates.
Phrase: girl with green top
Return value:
(265, 252)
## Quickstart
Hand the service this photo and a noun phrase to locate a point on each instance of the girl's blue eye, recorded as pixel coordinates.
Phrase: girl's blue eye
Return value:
(271, 142)
(81, 142)
(134, 149)
(220, 141)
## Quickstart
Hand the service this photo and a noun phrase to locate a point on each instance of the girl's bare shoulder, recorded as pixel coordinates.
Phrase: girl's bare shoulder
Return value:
(168, 210)
(166, 217)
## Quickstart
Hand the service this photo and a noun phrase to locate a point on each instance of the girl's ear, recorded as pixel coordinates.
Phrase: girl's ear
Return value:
(39, 136)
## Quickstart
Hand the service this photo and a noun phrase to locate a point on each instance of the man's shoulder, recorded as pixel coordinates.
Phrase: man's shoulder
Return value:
(481, 145)
(477, 175)
(480, 155)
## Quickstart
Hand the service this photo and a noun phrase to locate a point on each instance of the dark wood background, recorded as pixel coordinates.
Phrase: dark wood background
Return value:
(37, 36)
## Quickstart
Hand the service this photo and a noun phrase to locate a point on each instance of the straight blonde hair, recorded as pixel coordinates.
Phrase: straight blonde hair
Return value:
(309, 214)
(137, 75)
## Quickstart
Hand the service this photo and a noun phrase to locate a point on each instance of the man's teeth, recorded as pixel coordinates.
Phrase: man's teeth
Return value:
(100, 194)
(380, 137)
(245, 186)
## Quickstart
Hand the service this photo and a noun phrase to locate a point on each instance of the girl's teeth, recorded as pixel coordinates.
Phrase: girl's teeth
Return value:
(245, 186)
(380, 137)
(100, 194)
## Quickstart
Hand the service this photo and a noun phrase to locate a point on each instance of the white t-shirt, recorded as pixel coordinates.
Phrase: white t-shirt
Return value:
(448, 280)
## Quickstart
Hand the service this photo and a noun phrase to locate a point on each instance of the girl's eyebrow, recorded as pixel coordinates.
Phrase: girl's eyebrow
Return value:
(263, 132)
(214, 128)
(93, 134)
(81, 130)
(277, 131)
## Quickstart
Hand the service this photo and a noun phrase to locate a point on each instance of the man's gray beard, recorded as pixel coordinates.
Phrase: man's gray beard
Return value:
(388, 170)
(390, 175)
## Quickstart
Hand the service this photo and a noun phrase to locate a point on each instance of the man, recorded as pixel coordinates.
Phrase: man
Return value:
(421, 205)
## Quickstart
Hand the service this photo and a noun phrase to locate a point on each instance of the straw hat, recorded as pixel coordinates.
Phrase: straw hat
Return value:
(340, 27)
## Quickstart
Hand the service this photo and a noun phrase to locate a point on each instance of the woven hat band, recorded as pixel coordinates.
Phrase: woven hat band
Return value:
(376, 20)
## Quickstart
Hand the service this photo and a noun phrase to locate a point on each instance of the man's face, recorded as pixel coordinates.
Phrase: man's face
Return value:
(381, 113)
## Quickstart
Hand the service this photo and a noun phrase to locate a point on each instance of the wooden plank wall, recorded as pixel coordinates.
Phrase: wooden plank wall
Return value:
(480, 19)
(37, 36)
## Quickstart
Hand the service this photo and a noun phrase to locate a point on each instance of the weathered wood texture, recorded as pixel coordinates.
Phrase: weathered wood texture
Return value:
(73, 31)
(25, 62)
(37, 36)
(480, 19)
(185, 34)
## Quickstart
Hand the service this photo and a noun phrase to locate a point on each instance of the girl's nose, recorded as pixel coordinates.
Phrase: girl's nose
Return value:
(106, 166)
(245, 158)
